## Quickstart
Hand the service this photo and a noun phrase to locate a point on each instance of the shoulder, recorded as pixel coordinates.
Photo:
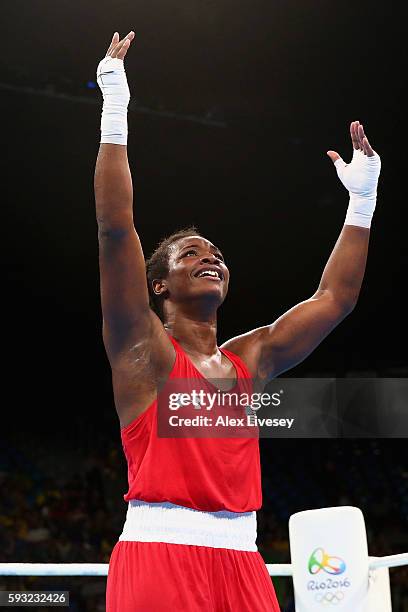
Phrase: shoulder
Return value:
(248, 347)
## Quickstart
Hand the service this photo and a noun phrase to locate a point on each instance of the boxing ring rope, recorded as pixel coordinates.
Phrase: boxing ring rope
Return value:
(101, 569)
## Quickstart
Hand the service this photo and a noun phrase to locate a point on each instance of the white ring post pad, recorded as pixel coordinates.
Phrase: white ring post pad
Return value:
(329, 555)
(379, 592)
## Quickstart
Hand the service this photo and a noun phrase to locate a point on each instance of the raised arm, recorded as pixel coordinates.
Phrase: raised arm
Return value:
(127, 318)
(276, 348)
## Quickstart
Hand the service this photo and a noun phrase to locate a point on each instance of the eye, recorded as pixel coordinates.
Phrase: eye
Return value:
(219, 256)
(190, 252)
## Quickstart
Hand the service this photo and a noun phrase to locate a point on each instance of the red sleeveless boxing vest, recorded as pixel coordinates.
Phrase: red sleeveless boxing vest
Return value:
(208, 474)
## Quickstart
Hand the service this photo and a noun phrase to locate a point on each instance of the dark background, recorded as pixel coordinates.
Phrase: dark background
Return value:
(281, 81)
(234, 106)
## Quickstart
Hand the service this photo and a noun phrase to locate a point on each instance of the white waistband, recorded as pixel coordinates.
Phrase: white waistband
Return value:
(166, 522)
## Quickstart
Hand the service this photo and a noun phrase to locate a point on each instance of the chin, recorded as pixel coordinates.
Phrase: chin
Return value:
(213, 294)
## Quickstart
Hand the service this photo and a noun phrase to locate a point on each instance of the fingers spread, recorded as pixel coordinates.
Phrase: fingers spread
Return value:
(359, 139)
(367, 148)
(354, 134)
(121, 46)
(114, 41)
(334, 156)
(123, 50)
(361, 136)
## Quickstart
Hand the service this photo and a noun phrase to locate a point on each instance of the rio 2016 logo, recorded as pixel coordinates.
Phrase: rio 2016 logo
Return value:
(320, 561)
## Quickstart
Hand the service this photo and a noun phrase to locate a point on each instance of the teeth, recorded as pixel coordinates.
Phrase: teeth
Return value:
(209, 273)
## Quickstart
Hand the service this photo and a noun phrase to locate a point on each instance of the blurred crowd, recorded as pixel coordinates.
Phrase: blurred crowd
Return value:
(56, 506)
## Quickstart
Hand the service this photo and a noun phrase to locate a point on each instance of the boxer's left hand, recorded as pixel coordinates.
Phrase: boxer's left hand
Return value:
(360, 176)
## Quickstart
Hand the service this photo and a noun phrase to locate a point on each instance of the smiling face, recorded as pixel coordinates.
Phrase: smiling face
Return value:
(197, 272)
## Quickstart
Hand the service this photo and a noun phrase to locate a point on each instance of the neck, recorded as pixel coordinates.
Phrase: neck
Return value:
(197, 335)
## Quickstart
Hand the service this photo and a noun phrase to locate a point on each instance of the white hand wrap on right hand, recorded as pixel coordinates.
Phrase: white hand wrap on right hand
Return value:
(360, 178)
(111, 78)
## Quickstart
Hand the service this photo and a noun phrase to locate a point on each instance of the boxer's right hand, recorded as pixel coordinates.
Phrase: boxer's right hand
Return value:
(110, 73)
(112, 81)
(118, 48)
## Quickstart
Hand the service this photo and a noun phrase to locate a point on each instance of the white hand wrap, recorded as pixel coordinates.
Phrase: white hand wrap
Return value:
(360, 178)
(111, 78)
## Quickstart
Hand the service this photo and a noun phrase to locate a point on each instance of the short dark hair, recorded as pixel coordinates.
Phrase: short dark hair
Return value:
(157, 266)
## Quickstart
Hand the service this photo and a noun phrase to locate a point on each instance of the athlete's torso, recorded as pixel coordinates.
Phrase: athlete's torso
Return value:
(211, 474)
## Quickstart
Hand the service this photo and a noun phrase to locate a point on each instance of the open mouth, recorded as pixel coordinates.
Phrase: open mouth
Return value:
(211, 273)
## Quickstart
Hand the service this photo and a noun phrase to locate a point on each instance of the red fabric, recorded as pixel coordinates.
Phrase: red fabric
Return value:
(159, 577)
(208, 474)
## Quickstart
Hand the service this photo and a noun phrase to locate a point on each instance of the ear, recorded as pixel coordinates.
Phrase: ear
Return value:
(159, 286)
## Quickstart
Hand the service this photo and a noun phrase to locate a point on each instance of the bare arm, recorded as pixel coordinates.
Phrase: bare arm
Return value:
(124, 294)
(128, 321)
(275, 348)
(299, 331)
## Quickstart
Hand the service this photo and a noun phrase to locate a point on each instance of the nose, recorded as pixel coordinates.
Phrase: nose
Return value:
(210, 259)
